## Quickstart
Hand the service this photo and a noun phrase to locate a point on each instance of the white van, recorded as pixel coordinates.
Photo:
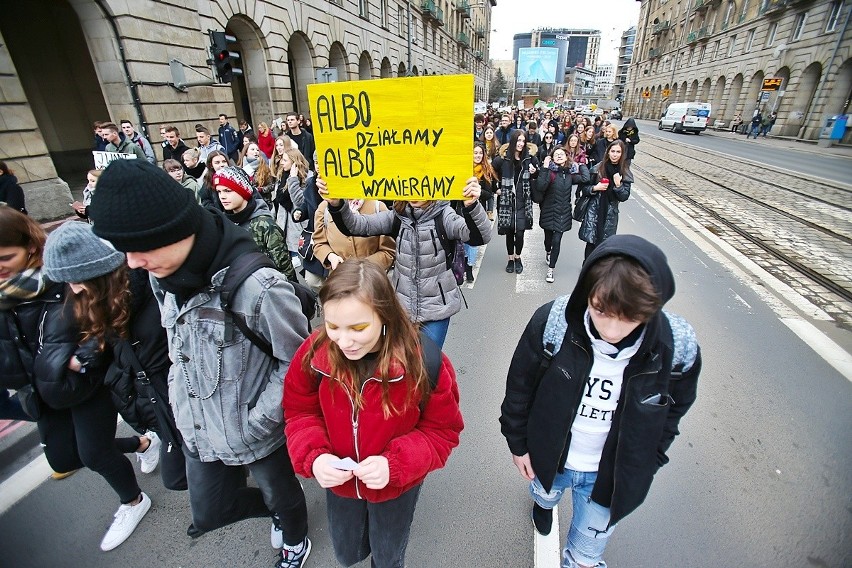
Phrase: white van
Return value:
(686, 117)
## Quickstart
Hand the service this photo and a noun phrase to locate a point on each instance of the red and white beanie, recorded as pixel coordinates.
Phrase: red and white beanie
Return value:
(235, 179)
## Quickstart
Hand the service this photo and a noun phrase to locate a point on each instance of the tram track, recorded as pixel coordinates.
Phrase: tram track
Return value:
(800, 263)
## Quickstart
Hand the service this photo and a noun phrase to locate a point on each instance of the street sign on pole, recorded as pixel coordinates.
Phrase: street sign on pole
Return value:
(764, 96)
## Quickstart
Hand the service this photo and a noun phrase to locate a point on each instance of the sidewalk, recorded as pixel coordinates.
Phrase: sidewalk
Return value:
(809, 146)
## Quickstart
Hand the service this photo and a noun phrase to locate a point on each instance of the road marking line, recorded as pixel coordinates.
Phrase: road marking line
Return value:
(713, 246)
(548, 551)
(23, 482)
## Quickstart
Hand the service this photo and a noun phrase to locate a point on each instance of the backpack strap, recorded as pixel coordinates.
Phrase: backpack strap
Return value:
(554, 332)
(432, 359)
(449, 247)
(243, 266)
(684, 343)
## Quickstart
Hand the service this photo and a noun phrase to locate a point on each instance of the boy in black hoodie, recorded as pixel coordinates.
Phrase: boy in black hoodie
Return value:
(598, 417)
(629, 134)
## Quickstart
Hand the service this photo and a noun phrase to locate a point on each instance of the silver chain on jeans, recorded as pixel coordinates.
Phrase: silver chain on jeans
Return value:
(183, 359)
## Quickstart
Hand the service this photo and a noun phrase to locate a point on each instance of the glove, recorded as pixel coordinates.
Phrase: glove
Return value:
(89, 354)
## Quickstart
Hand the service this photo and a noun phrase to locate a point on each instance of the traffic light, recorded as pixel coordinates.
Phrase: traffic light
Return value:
(224, 60)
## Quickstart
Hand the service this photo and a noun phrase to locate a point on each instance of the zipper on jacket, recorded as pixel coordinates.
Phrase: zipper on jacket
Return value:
(618, 440)
(573, 410)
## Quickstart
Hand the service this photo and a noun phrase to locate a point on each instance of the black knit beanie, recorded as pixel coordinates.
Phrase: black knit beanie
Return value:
(139, 207)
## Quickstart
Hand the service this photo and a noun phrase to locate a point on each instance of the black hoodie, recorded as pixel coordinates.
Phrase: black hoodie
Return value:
(629, 134)
(537, 413)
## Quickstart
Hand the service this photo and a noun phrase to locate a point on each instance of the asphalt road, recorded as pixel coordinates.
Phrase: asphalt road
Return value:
(809, 158)
(759, 476)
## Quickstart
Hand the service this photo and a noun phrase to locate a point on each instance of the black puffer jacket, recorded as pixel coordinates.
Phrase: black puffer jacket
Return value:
(11, 193)
(132, 395)
(38, 338)
(553, 191)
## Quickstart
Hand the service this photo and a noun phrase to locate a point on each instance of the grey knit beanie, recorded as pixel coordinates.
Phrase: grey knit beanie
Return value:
(73, 253)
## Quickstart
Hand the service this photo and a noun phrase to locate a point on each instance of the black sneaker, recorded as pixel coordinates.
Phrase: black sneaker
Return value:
(519, 266)
(193, 532)
(542, 519)
(510, 266)
(290, 559)
(468, 272)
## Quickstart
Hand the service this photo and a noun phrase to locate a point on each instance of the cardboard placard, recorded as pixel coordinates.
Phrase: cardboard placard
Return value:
(397, 139)
(102, 159)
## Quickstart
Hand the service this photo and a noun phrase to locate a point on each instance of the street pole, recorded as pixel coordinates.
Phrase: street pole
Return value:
(408, 68)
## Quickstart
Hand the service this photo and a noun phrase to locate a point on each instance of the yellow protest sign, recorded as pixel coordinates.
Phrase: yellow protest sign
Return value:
(406, 139)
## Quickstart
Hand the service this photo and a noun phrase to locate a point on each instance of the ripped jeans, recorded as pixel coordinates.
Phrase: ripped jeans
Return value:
(588, 534)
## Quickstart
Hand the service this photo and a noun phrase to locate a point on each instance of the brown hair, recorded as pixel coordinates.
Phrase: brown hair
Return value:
(208, 176)
(109, 126)
(172, 164)
(623, 163)
(488, 173)
(5, 169)
(491, 146)
(275, 159)
(171, 128)
(363, 280)
(302, 165)
(19, 230)
(618, 285)
(103, 308)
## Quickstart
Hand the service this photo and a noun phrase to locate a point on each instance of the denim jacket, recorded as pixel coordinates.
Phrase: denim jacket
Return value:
(224, 391)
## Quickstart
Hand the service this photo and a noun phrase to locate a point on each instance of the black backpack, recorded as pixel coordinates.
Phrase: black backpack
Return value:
(242, 267)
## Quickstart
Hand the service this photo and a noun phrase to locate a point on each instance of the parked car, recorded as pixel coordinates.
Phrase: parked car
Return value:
(615, 114)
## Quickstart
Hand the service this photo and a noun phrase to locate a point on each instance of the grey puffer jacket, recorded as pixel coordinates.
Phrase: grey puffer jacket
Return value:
(423, 283)
(224, 391)
(589, 227)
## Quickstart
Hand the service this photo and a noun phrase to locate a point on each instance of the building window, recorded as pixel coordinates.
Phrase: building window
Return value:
(400, 18)
(716, 50)
(729, 14)
(702, 54)
(750, 40)
(383, 13)
(770, 35)
(363, 8)
(691, 55)
(834, 16)
(799, 27)
(743, 13)
(731, 43)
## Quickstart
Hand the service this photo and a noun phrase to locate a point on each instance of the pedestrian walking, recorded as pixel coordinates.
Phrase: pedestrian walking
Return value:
(767, 123)
(229, 138)
(610, 183)
(44, 353)
(629, 134)
(116, 308)
(596, 389)
(756, 121)
(423, 276)
(516, 165)
(226, 390)
(553, 191)
(365, 417)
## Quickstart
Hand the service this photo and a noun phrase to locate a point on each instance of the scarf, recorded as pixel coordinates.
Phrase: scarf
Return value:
(245, 214)
(23, 286)
(478, 171)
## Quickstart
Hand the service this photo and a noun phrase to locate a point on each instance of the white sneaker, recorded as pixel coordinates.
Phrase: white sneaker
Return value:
(549, 277)
(149, 459)
(126, 520)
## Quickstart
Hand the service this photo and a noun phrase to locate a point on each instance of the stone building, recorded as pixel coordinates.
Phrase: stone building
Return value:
(720, 51)
(66, 63)
(625, 57)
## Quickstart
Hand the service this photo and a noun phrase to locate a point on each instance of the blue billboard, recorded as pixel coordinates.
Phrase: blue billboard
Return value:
(538, 64)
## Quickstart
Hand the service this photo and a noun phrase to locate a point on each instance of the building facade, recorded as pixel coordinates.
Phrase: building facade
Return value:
(577, 48)
(110, 60)
(604, 78)
(720, 51)
(625, 57)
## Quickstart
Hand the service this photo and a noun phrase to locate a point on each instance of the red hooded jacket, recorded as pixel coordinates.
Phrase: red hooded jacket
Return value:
(321, 419)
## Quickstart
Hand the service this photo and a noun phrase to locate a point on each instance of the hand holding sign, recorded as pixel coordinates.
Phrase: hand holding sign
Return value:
(322, 189)
(472, 190)
(378, 140)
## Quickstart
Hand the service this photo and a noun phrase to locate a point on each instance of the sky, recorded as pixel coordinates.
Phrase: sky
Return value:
(611, 17)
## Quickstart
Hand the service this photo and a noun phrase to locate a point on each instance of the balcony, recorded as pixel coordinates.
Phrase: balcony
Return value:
(654, 52)
(701, 5)
(692, 37)
(463, 8)
(463, 40)
(705, 32)
(662, 27)
(429, 9)
(480, 32)
(478, 55)
(439, 17)
(772, 6)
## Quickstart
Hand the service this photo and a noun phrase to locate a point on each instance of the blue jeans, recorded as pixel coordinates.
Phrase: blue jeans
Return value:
(755, 131)
(588, 534)
(436, 330)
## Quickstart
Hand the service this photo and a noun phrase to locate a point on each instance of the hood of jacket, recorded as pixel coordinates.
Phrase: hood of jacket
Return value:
(648, 255)
(629, 126)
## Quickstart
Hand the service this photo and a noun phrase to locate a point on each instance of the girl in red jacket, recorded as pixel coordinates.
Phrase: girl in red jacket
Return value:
(363, 417)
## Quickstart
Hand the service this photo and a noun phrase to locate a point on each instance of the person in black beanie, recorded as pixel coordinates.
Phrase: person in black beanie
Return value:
(225, 391)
